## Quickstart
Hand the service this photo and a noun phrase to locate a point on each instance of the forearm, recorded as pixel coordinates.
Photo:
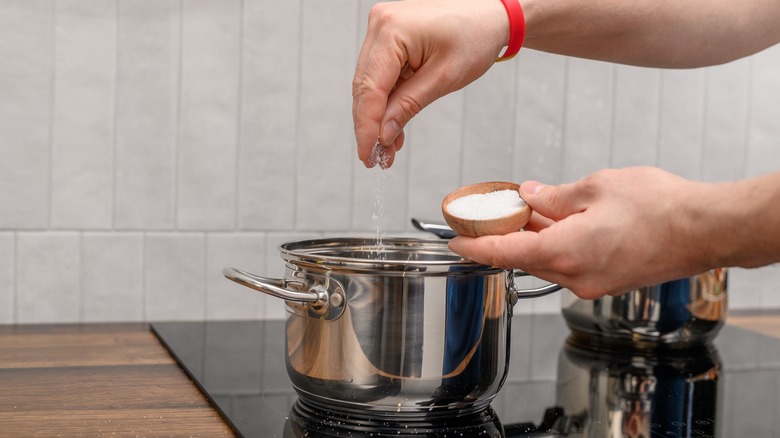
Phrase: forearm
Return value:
(654, 33)
(740, 221)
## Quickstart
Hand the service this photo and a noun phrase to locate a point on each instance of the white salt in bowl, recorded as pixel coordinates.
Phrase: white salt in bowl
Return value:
(486, 208)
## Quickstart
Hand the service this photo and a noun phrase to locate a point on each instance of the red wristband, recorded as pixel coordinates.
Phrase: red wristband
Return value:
(516, 29)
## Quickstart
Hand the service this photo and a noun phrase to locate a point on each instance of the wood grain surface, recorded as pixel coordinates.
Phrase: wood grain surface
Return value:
(766, 324)
(97, 380)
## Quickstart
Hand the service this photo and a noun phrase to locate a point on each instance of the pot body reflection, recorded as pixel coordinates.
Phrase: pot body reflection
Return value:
(625, 394)
(404, 343)
(673, 315)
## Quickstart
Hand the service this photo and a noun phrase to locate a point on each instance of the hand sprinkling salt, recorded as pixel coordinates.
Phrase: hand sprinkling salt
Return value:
(490, 205)
(379, 156)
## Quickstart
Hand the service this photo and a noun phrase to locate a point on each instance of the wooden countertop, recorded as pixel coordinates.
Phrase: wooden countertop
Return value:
(118, 380)
(764, 323)
(97, 380)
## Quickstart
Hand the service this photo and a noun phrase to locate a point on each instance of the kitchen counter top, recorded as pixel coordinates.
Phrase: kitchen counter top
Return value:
(117, 379)
(97, 380)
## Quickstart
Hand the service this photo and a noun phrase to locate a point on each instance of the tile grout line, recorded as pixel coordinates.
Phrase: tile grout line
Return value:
(205, 236)
(239, 118)
(297, 123)
(704, 124)
(15, 310)
(177, 126)
(143, 275)
(748, 118)
(613, 116)
(81, 276)
(52, 114)
(659, 127)
(114, 127)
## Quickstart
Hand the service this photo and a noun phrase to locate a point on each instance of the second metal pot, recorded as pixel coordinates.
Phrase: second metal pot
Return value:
(673, 315)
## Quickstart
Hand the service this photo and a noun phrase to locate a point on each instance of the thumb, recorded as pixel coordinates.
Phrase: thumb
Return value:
(411, 95)
(553, 202)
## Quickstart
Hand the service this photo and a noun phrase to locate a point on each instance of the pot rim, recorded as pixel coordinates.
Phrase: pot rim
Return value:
(405, 254)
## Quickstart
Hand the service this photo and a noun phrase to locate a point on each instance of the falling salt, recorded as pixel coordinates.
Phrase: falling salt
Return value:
(487, 205)
(379, 156)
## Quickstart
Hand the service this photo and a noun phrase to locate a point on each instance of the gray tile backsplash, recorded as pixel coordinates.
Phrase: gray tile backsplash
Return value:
(208, 114)
(147, 92)
(25, 113)
(83, 105)
(146, 145)
(48, 277)
(7, 278)
(112, 276)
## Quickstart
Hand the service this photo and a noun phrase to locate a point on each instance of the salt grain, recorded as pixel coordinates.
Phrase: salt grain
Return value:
(483, 206)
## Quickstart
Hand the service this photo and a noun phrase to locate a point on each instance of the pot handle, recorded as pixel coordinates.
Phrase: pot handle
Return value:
(317, 295)
(531, 293)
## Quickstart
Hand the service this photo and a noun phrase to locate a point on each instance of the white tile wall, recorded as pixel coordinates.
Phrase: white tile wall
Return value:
(681, 126)
(539, 116)
(762, 123)
(208, 135)
(269, 115)
(225, 299)
(325, 147)
(84, 70)
(636, 112)
(25, 114)
(146, 145)
(174, 276)
(726, 103)
(589, 113)
(48, 282)
(112, 280)
(147, 89)
(7, 278)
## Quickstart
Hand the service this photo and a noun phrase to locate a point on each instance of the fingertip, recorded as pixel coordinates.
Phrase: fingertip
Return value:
(388, 158)
(531, 188)
(399, 141)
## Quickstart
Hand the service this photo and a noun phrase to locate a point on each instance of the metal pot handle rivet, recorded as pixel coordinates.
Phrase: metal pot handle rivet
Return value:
(317, 295)
(530, 293)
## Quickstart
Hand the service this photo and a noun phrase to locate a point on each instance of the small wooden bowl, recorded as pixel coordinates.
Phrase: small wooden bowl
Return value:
(483, 227)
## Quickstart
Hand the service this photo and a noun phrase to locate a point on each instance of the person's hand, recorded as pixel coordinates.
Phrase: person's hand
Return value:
(414, 52)
(609, 233)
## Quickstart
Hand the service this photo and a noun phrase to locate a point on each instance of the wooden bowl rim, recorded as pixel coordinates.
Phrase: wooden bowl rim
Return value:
(478, 189)
(478, 227)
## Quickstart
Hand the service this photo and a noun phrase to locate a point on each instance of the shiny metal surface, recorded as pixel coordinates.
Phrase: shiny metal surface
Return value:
(676, 314)
(630, 394)
(419, 329)
(442, 230)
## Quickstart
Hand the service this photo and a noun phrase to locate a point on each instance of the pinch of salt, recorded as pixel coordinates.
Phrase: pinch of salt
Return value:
(491, 205)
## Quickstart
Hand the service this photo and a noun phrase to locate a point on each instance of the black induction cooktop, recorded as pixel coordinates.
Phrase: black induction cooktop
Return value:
(554, 387)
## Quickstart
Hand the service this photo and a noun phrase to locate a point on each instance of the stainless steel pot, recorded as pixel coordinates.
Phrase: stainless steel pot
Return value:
(406, 327)
(629, 394)
(674, 315)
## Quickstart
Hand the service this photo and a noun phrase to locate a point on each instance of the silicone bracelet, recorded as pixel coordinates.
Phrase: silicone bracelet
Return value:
(516, 29)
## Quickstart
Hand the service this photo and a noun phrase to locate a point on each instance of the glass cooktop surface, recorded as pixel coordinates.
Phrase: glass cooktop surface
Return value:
(553, 388)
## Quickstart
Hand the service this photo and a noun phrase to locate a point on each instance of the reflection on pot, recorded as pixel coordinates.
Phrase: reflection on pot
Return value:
(308, 421)
(673, 315)
(630, 394)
